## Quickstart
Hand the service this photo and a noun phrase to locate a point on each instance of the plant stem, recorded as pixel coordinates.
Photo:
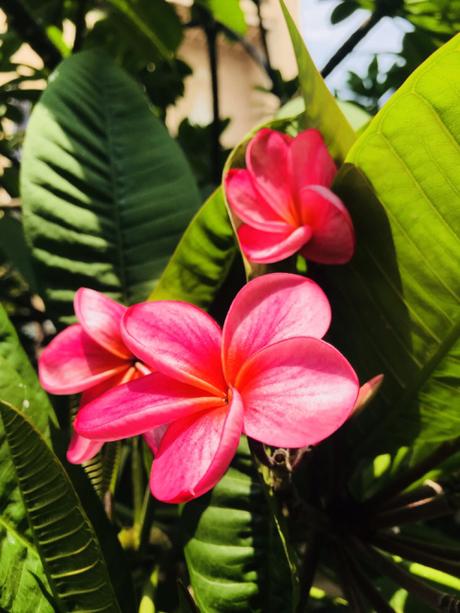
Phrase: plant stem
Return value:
(211, 30)
(351, 43)
(404, 479)
(80, 25)
(368, 589)
(429, 508)
(308, 571)
(416, 553)
(31, 32)
(439, 601)
(350, 587)
(137, 483)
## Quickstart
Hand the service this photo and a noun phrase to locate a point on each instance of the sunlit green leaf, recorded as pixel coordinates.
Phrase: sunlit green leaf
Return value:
(106, 191)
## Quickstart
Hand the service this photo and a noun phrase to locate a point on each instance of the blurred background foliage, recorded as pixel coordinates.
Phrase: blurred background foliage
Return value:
(151, 40)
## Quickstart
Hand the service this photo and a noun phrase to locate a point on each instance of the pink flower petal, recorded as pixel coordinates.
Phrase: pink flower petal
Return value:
(311, 162)
(267, 159)
(73, 362)
(269, 309)
(82, 449)
(248, 205)
(179, 340)
(269, 247)
(333, 240)
(195, 453)
(100, 317)
(138, 406)
(153, 437)
(296, 392)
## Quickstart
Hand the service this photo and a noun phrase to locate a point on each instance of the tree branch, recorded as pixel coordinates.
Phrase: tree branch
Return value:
(351, 43)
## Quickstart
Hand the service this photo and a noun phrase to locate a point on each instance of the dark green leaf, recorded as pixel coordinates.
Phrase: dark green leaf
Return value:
(234, 554)
(106, 192)
(65, 538)
(14, 247)
(344, 10)
(21, 571)
(156, 21)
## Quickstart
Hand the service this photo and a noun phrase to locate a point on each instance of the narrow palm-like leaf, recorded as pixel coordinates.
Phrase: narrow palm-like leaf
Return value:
(106, 191)
(65, 538)
(22, 579)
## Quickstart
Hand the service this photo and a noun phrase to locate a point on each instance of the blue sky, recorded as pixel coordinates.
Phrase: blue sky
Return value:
(323, 39)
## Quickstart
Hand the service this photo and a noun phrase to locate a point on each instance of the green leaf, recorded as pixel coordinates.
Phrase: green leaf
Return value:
(233, 551)
(106, 191)
(155, 21)
(24, 587)
(202, 259)
(395, 307)
(66, 540)
(227, 12)
(343, 10)
(15, 249)
(321, 109)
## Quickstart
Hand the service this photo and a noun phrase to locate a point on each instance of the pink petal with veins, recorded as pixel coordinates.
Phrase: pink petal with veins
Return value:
(100, 318)
(248, 205)
(267, 160)
(296, 392)
(178, 339)
(269, 309)
(82, 449)
(138, 406)
(333, 240)
(268, 247)
(73, 362)
(310, 161)
(196, 451)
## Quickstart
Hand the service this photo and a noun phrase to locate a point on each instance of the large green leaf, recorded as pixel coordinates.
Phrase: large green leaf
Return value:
(203, 257)
(396, 306)
(23, 583)
(106, 192)
(234, 554)
(156, 22)
(321, 109)
(68, 546)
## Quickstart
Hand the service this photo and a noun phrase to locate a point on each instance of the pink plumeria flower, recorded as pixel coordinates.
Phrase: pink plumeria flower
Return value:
(266, 374)
(90, 357)
(284, 201)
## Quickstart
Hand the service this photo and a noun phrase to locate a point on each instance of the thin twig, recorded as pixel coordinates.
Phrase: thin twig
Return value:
(210, 30)
(351, 43)
(80, 25)
(430, 508)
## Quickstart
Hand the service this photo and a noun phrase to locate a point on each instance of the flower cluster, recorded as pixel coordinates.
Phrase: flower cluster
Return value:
(284, 201)
(168, 371)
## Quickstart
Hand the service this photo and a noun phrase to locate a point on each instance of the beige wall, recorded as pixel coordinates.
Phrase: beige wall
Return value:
(239, 76)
